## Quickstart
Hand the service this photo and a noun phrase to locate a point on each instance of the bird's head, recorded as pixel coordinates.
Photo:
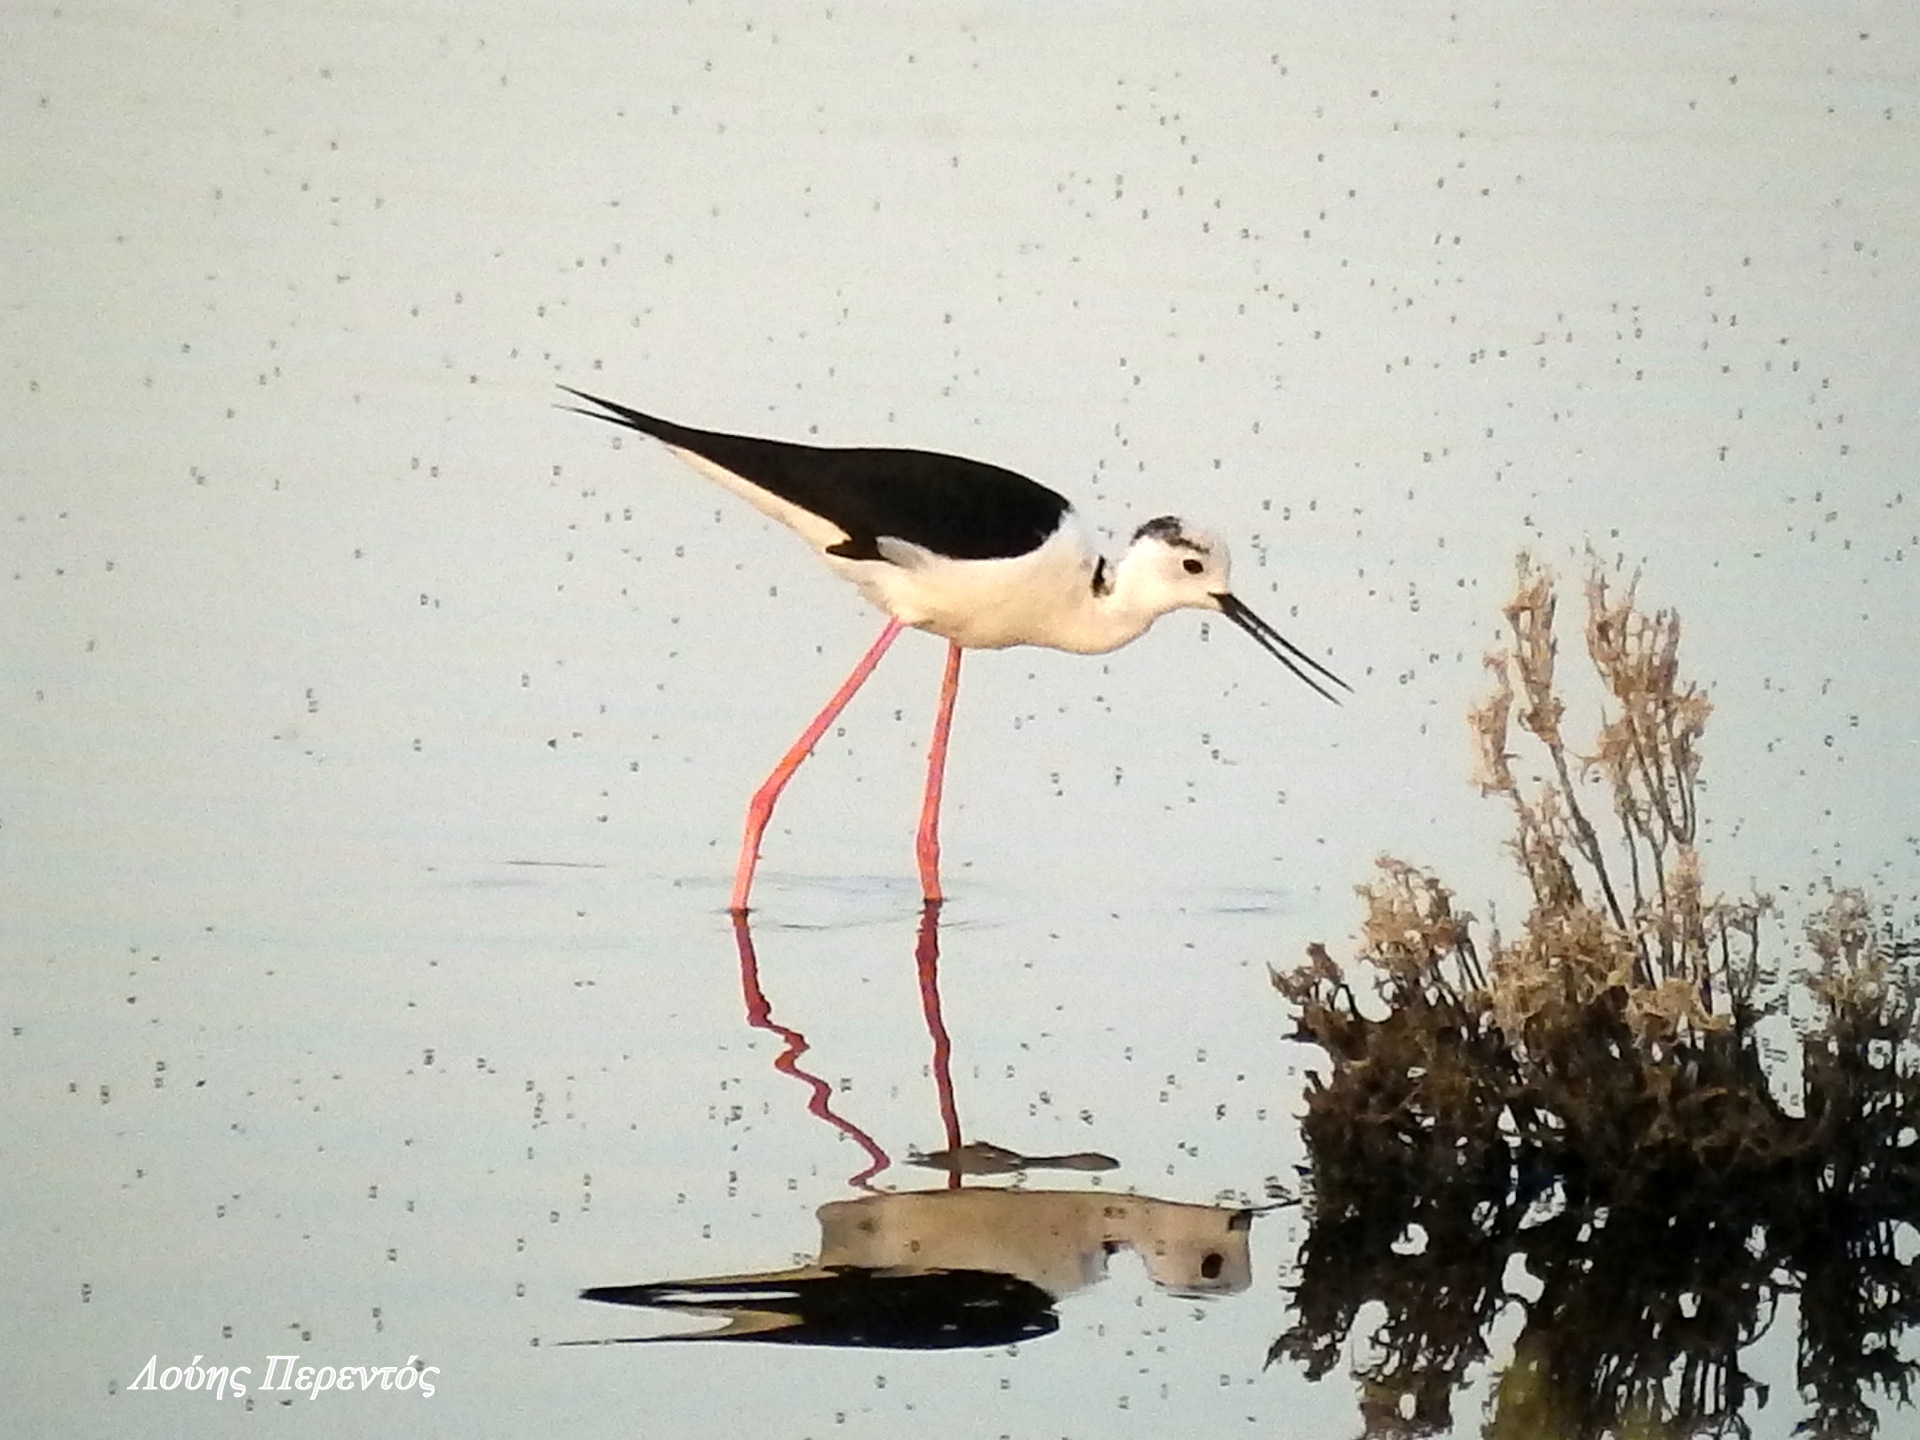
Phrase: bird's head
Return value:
(1172, 565)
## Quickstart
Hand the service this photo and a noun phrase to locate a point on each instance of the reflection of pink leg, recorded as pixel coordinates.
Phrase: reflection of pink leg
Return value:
(926, 846)
(787, 1062)
(761, 808)
(926, 960)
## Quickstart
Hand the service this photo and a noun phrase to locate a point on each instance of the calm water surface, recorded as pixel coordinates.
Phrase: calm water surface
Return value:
(376, 736)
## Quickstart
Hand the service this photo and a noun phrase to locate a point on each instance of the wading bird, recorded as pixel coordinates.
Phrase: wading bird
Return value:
(978, 555)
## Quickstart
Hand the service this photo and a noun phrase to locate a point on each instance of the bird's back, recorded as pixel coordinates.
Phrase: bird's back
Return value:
(950, 505)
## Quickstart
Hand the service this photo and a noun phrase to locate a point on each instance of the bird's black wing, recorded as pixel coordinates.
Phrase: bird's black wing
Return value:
(961, 508)
(858, 1306)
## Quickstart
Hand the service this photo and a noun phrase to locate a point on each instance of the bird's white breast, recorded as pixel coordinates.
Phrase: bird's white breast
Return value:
(1044, 597)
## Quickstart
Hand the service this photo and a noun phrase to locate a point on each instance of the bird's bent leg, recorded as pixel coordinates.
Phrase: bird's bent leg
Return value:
(760, 810)
(926, 847)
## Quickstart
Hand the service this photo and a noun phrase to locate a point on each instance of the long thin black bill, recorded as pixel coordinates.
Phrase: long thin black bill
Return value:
(1281, 648)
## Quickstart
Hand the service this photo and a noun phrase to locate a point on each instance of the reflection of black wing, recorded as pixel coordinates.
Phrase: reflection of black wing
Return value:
(953, 506)
(851, 1305)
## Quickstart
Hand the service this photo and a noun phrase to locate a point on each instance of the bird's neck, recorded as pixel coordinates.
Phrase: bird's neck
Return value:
(1117, 608)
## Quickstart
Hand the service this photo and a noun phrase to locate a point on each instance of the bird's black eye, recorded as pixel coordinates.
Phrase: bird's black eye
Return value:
(1192, 566)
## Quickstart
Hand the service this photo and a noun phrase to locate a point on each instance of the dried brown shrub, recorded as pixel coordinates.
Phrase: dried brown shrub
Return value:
(1606, 1055)
(1615, 1028)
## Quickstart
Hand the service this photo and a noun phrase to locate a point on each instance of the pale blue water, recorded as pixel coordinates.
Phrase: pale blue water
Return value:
(376, 736)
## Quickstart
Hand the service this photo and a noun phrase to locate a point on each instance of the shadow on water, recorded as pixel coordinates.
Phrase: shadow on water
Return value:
(947, 1268)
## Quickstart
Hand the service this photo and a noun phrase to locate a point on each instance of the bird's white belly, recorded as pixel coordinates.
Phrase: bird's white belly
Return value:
(1041, 598)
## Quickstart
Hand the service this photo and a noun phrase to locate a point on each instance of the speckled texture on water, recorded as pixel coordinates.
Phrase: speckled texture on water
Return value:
(374, 735)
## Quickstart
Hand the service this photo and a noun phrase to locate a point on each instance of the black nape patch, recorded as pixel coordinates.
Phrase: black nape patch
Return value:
(1168, 530)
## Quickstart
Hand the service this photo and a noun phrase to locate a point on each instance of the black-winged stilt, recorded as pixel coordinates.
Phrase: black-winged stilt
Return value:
(975, 554)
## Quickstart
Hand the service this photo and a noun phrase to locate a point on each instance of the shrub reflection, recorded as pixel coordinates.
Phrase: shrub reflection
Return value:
(1588, 1099)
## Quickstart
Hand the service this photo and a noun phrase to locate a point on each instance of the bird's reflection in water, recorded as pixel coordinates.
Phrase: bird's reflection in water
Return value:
(943, 1269)
(952, 1267)
(787, 1062)
(983, 1157)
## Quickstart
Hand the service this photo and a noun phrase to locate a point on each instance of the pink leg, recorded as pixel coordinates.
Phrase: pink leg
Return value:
(761, 808)
(926, 846)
